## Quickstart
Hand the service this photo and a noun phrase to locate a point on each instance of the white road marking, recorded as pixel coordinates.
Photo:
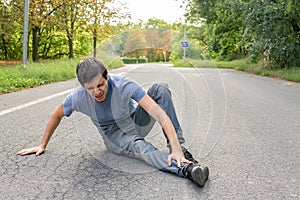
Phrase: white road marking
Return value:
(4, 112)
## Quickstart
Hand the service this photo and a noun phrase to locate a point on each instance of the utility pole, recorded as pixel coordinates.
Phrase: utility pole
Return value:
(25, 32)
(184, 38)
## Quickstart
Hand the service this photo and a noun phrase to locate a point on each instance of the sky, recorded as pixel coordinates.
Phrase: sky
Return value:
(168, 10)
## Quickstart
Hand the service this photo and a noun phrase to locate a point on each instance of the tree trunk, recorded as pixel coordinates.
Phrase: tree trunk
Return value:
(95, 42)
(4, 47)
(71, 50)
(70, 34)
(295, 27)
(35, 44)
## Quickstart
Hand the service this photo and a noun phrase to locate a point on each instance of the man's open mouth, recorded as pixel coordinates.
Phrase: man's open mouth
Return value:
(99, 96)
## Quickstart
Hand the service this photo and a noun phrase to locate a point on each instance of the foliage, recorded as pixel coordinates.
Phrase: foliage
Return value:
(57, 28)
(156, 40)
(275, 31)
(10, 34)
(233, 29)
(135, 44)
(60, 29)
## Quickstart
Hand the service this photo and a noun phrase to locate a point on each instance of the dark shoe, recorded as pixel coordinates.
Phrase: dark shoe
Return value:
(198, 174)
(188, 155)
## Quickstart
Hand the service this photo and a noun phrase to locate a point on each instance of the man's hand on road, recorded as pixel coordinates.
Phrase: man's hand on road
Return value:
(178, 157)
(38, 150)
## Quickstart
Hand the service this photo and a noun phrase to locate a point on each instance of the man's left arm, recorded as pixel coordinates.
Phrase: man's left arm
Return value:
(151, 107)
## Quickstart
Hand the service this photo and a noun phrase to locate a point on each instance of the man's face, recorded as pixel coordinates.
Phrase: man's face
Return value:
(97, 88)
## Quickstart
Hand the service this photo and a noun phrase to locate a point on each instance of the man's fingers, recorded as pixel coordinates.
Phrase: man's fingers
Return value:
(169, 161)
(19, 153)
(25, 152)
(187, 161)
(178, 163)
(179, 159)
(41, 151)
(184, 160)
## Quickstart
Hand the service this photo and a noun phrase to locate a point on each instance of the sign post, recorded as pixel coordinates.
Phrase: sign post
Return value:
(25, 33)
(184, 45)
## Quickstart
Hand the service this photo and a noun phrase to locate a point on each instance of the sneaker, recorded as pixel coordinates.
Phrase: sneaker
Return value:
(198, 174)
(188, 155)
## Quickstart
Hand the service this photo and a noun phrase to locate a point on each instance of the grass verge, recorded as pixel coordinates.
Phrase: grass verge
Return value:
(290, 74)
(16, 77)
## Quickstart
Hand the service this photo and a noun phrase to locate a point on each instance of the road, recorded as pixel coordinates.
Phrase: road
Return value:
(244, 127)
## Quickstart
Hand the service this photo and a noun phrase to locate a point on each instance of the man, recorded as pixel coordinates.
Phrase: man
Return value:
(110, 102)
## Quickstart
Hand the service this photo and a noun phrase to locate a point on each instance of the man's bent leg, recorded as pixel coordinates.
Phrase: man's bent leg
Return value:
(161, 94)
(143, 121)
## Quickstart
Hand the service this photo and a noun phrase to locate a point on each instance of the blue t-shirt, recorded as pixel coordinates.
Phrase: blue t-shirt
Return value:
(122, 97)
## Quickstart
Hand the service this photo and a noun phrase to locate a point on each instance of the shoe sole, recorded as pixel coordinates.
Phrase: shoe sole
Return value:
(206, 172)
(200, 175)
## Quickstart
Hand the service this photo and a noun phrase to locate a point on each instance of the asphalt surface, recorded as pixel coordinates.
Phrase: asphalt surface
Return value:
(246, 128)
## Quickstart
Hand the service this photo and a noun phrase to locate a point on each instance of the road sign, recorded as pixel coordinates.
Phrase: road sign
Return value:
(184, 44)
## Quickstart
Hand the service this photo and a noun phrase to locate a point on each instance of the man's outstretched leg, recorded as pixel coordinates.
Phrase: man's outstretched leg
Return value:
(134, 146)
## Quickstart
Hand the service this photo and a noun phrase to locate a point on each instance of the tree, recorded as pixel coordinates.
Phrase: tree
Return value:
(10, 30)
(136, 44)
(274, 26)
(39, 13)
(70, 18)
(102, 15)
(223, 26)
(261, 28)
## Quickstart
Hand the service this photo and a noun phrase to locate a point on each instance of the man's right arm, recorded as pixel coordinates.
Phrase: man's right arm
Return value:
(52, 124)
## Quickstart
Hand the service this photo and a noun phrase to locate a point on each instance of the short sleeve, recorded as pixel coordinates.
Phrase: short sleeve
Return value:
(68, 106)
(138, 94)
(130, 89)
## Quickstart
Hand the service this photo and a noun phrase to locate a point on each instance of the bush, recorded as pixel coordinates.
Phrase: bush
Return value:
(129, 60)
(182, 63)
(115, 64)
(133, 60)
(142, 60)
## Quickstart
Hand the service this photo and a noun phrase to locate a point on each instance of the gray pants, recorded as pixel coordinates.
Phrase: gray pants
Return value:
(127, 137)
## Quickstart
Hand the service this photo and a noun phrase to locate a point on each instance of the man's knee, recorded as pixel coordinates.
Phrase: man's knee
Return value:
(159, 89)
(163, 84)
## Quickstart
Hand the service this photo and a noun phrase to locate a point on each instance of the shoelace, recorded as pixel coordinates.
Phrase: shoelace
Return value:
(188, 156)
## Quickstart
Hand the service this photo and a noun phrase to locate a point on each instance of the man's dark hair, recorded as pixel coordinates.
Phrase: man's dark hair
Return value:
(88, 68)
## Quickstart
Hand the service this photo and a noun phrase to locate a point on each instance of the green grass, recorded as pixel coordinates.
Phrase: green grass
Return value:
(291, 74)
(16, 77)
